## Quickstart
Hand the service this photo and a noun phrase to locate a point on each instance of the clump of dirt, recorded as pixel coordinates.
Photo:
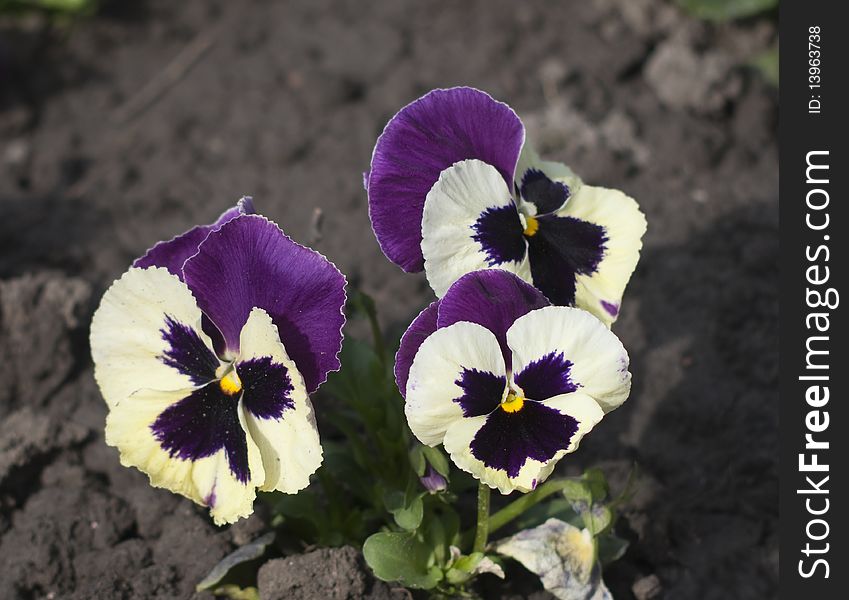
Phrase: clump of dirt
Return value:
(142, 122)
(325, 574)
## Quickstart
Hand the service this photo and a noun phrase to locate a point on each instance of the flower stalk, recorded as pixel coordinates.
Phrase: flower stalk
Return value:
(482, 531)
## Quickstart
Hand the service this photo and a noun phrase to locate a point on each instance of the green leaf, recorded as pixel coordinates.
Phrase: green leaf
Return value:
(611, 548)
(410, 517)
(598, 519)
(558, 508)
(407, 511)
(417, 460)
(246, 553)
(437, 460)
(596, 484)
(726, 10)
(578, 493)
(441, 530)
(401, 557)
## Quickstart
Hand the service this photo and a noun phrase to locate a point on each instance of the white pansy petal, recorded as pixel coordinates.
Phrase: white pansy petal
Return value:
(146, 334)
(624, 225)
(458, 445)
(517, 449)
(581, 407)
(457, 372)
(210, 460)
(470, 222)
(559, 349)
(278, 412)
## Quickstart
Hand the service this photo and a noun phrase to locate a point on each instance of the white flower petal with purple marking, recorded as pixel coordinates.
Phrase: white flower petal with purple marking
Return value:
(241, 425)
(210, 460)
(508, 425)
(147, 334)
(601, 291)
(541, 186)
(278, 411)
(559, 350)
(517, 448)
(470, 222)
(426, 137)
(458, 372)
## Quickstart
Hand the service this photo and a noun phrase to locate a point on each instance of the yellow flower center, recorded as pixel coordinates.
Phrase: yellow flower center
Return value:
(531, 227)
(513, 403)
(230, 383)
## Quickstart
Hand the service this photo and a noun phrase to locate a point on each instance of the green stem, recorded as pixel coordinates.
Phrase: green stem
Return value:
(482, 532)
(523, 503)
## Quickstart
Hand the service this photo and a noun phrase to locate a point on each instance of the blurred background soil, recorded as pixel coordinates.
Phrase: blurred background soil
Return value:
(149, 117)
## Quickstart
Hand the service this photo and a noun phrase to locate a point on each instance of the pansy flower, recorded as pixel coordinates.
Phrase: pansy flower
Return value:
(508, 383)
(206, 352)
(454, 188)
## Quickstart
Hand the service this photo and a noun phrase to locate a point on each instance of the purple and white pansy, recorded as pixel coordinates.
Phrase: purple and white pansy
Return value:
(206, 351)
(454, 188)
(507, 382)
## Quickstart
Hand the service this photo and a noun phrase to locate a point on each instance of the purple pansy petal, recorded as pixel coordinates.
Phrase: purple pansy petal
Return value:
(432, 481)
(493, 298)
(249, 262)
(508, 440)
(174, 252)
(245, 206)
(426, 137)
(418, 331)
(200, 425)
(560, 250)
(546, 377)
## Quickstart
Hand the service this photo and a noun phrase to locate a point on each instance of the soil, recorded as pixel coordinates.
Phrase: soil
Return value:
(135, 124)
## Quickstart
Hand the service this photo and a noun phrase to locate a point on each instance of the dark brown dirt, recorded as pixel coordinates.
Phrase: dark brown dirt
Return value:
(285, 104)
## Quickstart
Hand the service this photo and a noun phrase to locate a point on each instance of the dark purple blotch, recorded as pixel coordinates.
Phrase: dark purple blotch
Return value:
(611, 307)
(507, 440)
(482, 392)
(187, 352)
(547, 195)
(267, 387)
(546, 377)
(562, 249)
(200, 425)
(498, 230)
